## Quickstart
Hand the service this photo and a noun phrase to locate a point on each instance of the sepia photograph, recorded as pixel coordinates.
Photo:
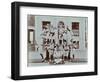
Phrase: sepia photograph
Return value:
(53, 40)
(56, 40)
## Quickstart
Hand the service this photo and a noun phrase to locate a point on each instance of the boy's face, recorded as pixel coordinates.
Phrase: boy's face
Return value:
(60, 25)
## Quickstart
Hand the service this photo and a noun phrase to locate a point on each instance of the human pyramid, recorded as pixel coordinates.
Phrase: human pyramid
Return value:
(58, 44)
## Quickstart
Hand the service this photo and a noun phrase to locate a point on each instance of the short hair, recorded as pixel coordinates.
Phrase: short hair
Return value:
(61, 22)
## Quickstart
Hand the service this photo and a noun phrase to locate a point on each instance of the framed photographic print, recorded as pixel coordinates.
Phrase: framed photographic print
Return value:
(53, 40)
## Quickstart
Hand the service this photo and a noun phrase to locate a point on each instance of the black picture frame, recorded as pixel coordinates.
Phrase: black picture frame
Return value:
(15, 40)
